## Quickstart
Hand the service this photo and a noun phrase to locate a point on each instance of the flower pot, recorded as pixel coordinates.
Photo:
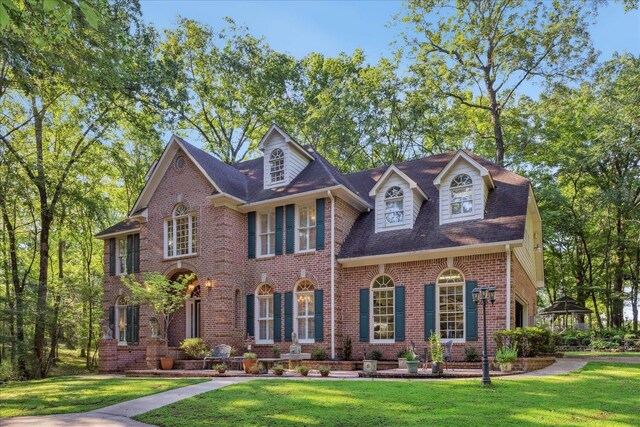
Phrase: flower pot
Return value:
(304, 373)
(506, 366)
(402, 363)
(437, 367)
(222, 371)
(166, 363)
(324, 374)
(247, 364)
(370, 366)
(278, 372)
(412, 366)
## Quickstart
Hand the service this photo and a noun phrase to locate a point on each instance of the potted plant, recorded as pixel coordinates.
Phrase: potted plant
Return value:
(254, 370)
(402, 359)
(506, 357)
(370, 364)
(411, 362)
(324, 371)
(249, 360)
(303, 370)
(193, 348)
(276, 352)
(437, 354)
(278, 369)
(221, 368)
(164, 296)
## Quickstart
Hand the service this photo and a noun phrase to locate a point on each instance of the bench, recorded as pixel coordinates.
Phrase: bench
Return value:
(219, 354)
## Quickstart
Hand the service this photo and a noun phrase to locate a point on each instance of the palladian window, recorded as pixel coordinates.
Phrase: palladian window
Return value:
(304, 310)
(451, 304)
(276, 165)
(461, 195)
(382, 305)
(264, 314)
(181, 232)
(394, 206)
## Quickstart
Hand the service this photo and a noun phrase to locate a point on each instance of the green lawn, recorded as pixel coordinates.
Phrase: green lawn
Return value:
(599, 394)
(61, 395)
(601, 354)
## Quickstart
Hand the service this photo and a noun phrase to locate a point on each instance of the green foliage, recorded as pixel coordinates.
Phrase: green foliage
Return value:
(471, 354)
(346, 349)
(220, 367)
(409, 356)
(324, 369)
(319, 353)
(530, 342)
(278, 367)
(249, 355)
(507, 354)
(275, 351)
(194, 348)
(435, 348)
(374, 354)
(303, 369)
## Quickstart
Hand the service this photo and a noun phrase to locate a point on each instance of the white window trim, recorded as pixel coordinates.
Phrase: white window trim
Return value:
(394, 199)
(464, 307)
(295, 315)
(271, 231)
(190, 216)
(121, 270)
(284, 167)
(297, 229)
(372, 339)
(119, 307)
(451, 188)
(258, 318)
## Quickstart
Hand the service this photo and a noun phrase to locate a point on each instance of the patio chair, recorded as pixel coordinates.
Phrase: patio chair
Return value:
(219, 354)
(448, 352)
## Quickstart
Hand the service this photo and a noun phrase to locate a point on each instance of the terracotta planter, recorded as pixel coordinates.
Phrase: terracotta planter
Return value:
(222, 371)
(166, 363)
(247, 364)
(324, 374)
(278, 372)
(304, 373)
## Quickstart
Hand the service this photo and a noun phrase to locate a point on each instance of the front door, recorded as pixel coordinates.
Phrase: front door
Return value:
(193, 314)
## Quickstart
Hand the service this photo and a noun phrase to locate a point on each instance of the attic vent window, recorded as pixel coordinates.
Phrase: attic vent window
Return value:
(276, 163)
(394, 206)
(461, 195)
(180, 163)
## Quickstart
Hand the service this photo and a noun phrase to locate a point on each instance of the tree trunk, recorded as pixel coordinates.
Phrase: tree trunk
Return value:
(617, 309)
(494, 109)
(55, 326)
(40, 320)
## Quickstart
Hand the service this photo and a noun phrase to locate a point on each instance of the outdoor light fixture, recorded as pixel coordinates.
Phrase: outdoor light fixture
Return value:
(484, 294)
(209, 284)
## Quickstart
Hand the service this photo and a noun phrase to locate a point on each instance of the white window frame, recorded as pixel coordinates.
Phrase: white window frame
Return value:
(464, 304)
(393, 200)
(453, 188)
(269, 299)
(121, 260)
(373, 290)
(192, 218)
(306, 316)
(307, 228)
(268, 234)
(280, 169)
(120, 308)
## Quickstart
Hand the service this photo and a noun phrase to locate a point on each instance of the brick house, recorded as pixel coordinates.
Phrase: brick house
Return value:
(285, 242)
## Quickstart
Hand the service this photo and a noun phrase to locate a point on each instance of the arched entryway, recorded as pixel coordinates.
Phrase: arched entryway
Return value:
(193, 317)
(186, 322)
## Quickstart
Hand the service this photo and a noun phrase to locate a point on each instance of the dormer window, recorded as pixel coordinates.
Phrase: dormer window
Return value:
(276, 163)
(461, 195)
(394, 206)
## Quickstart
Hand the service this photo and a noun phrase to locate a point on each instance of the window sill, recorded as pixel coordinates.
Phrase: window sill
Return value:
(264, 342)
(307, 252)
(262, 257)
(393, 341)
(172, 258)
(307, 341)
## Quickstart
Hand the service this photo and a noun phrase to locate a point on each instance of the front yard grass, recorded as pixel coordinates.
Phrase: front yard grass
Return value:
(601, 354)
(598, 394)
(61, 395)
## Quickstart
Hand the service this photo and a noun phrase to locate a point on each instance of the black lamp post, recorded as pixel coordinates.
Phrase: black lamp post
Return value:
(483, 294)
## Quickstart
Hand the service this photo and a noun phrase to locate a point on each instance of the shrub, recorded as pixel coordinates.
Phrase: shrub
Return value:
(319, 353)
(471, 354)
(276, 352)
(254, 370)
(600, 344)
(375, 354)
(193, 348)
(250, 356)
(530, 341)
(403, 353)
(346, 348)
(436, 349)
(220, 367)
(409, 356)
(507, 354)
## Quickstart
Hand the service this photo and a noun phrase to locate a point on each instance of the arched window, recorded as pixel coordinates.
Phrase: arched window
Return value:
(304, 310)
(181, 232)
(461, 195)
(382, 307)
(264, 314)
(394, 206)
(276, 165)
(450, 304)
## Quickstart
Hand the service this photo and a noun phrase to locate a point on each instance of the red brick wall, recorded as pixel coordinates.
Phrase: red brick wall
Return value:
(523, 289)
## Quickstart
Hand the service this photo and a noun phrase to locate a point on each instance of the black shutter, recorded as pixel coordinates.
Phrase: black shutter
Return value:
(129, 253)
(290, 225)
(471, 315)
(277, 317)
(279, 218)
(288, 315)
(136, 253)
(112, 257)
(250, 315)
(400, 312)
(429, 310)
(251, 227)
(364, 315)
(112, 321)
(136, 324)
(319, 224)
(318, 316)
(129, 327)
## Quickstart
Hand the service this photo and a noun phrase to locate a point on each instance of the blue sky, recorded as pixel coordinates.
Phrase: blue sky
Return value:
(331, 27)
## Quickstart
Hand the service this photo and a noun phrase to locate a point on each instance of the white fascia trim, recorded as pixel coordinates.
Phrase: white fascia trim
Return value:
(224, 199)
(484, 173)
(287, 138)
(118, 233)
(393, 169)
(278, 201)
(481, 248)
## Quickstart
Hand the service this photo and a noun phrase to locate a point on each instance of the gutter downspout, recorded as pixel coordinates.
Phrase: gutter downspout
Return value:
(508, 250)
(333, 274)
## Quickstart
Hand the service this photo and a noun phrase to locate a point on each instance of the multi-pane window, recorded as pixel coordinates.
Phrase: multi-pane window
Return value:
(394, 206)
(182, 232)
(306, 228)
(276, 165)
(266, 234)
(451, 304)
(121, 321)
(121, 267)
(461, 195)
(304, 298)
(382, 299)
(264, 314)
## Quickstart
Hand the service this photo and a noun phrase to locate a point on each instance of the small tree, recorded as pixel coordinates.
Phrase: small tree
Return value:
(164, 296)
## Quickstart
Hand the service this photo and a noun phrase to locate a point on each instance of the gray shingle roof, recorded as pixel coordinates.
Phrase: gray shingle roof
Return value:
(121, 227)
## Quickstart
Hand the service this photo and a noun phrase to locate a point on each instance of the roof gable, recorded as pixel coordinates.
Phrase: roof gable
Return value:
(461, 155)
(287, 138)
(394, 170)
